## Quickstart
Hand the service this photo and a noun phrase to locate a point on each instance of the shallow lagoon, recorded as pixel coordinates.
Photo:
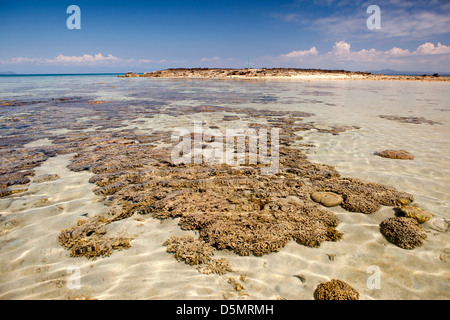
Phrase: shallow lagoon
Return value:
(33, 264)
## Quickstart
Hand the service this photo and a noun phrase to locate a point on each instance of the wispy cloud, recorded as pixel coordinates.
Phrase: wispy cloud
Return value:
(400, 19)
(60, 59)
(287, 17)
(218, 62)
(296, 54)
(205, 59)
(415, 25)
(83, 60)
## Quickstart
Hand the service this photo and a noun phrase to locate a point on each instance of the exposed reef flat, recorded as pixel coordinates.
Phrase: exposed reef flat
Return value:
(277, 73)
(232, 207)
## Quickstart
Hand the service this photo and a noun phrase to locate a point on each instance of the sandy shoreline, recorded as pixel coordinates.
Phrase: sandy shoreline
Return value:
(279, 74)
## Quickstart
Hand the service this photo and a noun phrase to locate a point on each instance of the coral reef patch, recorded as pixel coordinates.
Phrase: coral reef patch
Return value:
(190, 250)
(197, 252)
(362, 196)
(231, 207)
(335, 290)
(88, 239)
(403, 231)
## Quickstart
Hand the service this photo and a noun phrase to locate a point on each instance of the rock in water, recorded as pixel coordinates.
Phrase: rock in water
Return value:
(416, 213)
(335, 290)
(403, 231)
(327, 199)
(395, 154)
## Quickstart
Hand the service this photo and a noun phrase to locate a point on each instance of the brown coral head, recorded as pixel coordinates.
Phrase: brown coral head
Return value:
(403, 231)
(335, 290)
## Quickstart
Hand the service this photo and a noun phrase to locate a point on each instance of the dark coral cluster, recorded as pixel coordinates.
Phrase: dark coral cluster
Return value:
(403, 231)
(335, 290)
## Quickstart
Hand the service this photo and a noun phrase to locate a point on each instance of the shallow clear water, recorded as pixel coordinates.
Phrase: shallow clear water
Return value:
(356, 104)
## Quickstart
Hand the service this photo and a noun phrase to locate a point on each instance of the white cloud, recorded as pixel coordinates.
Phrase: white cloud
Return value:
(426, 56)
(342, 50)
(398, 52)
(83, 60)
(205, 59)
(61, 59)
(296, 54)
(19, 60)
(429, 49)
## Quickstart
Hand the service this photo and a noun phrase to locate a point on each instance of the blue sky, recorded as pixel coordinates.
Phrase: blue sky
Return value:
(139, 36)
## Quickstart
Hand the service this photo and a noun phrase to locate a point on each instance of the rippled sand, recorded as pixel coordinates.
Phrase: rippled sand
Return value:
(33, 265)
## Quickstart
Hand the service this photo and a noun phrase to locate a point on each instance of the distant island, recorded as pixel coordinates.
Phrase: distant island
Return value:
(7, 72)
(279, 73)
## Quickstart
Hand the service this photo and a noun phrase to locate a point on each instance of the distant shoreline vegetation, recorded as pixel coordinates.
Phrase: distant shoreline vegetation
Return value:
(242, 71)
(285, 73)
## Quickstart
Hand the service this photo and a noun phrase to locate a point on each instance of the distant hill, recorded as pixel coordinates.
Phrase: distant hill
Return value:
(7, 72)
(391, 72)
